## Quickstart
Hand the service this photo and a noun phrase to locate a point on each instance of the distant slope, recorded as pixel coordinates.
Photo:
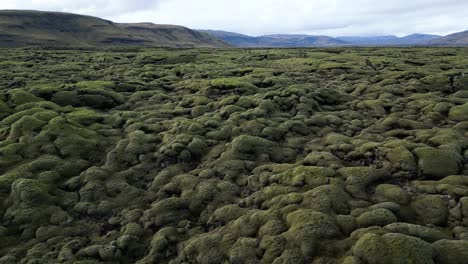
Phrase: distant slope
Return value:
(417, 39)
(377, 40)
(167, 35)
(298, 40)
(30, 28)
(456, 39)
(274, 41)
(234, 39)
(414, 39)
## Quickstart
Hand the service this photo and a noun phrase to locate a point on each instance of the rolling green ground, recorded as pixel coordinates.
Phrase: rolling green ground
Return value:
(234, 156)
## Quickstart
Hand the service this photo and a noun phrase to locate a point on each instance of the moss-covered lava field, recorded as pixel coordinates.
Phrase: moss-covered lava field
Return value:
(284, 156)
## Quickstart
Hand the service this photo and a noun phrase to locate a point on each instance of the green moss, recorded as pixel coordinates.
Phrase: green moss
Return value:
(226, 214)
(309, 223)
(245, 146)
(85, 117)
(437, 82)
(451, 251)
(322, 159)
(402, 159)
(459, 113)
(29, 192)
(138, 155)
(4, 110)
(234, 84)
(27, 126)
(330, 199)
(358, 178)
(273, 247)
(19, 97)
(244, 251)
(431, 209)
(392, 193)
(437, 163)
(376, 217)
(425, 233)
(393, 249)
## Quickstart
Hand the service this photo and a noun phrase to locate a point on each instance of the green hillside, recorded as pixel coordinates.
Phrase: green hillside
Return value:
(32, 28)
(168, 34)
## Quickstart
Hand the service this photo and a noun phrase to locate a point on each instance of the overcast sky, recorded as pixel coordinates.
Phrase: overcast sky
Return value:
(257, 17)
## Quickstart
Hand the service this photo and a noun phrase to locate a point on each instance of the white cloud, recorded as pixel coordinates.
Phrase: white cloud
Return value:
(255, 17)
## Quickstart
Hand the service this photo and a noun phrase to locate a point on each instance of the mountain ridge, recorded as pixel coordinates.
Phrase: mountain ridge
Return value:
(273, 41)
(455, 39)
(303, 40)
(42, 28)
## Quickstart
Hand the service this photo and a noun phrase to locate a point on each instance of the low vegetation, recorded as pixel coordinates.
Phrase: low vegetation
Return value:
(277, 156)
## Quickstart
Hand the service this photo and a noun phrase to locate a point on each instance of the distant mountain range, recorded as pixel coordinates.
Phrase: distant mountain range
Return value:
(31, 28)
(414, 39)
(273, 41)
(285, 40)
(19, 28)
(457, 39)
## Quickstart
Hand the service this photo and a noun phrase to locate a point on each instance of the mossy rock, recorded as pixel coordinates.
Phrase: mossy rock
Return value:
(313, 223)
(226, 214)
(461, 82)
(451, 251)
(19, 97)
(362, 176)
(431, 209)
(4, 110)
(244, 251)
(27, 126)
(273, 247)
(330, 199)
(425, 233)
(272, 227)
(376, 217)
(393, 248)
(66, 98)
(391, 193)
(358, 178)
(244, 147)
(29, 192)
(437, 163)
(290, 256)
(234, 84)
(402, 159)
(437, 82)
(459, 113)
(322, 159)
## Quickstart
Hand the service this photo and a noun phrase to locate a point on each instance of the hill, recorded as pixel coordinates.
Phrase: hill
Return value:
(274, 41)
(375, 40)
(300, 40)
(285, 40)
(417, 39)
(456, 39)
(167, 34)
(410, 40)
(233, 39)
(31, 28)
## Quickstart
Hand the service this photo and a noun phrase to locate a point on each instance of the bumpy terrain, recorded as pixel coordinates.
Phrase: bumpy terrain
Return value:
(234, 156)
